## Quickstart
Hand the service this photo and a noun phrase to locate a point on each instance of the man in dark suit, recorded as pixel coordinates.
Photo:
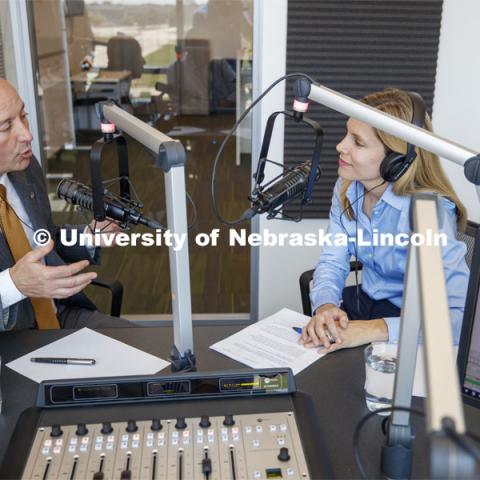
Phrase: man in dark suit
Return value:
(39, 286)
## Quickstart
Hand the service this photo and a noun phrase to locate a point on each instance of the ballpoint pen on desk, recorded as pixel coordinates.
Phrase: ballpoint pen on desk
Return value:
(63, 361)
(299, 330)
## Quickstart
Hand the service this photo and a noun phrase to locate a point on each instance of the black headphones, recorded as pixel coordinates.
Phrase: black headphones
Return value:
(395, 164)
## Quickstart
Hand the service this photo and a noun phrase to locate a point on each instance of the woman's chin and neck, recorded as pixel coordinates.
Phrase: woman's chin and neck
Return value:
(375, 187)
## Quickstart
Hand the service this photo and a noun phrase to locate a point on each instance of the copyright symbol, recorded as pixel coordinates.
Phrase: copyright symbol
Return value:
(41, 237)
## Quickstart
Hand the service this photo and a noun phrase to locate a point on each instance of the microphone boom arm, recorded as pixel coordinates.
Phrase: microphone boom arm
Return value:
(170, 156)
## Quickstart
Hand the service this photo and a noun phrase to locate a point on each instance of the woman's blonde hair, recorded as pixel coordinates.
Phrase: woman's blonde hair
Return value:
(425, 173)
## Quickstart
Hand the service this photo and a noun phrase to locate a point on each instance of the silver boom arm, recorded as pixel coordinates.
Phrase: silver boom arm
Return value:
(173, 165)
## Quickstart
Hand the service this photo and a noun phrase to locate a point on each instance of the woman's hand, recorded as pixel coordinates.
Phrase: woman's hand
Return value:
(358, 332)
(328, 324)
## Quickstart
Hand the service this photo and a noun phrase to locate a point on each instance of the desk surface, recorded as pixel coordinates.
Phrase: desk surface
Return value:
(104, 76)
(335, 383)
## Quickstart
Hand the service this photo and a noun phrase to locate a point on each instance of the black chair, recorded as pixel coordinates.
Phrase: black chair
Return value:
(116, 289)
(471, 237)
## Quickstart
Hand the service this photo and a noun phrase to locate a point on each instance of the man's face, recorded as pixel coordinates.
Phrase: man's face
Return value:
(15, 136)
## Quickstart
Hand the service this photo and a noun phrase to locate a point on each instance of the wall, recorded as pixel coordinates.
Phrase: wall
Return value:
(279, 267)
(456, 116)
(456, 108)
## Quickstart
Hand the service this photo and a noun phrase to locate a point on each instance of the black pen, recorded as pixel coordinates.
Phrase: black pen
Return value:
(63, 361)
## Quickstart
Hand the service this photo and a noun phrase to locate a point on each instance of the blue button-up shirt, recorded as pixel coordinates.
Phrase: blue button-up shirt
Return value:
(384, 266)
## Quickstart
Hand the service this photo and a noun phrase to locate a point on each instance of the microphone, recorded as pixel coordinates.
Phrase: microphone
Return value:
(291, 186)
(124, 211)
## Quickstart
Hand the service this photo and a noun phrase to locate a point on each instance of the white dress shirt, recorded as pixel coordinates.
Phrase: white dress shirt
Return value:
(9, 293)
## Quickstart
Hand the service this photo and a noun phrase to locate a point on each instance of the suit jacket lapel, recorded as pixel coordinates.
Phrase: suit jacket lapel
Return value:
(29, 197)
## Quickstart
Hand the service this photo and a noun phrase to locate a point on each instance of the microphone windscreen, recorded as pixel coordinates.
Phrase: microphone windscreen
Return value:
(472, 170)
(301, 88)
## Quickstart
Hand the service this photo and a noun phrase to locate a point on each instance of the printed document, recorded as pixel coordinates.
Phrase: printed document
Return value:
(112, 358)
(271, 343)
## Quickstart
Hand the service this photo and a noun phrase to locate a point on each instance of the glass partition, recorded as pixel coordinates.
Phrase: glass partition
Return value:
(185, 67)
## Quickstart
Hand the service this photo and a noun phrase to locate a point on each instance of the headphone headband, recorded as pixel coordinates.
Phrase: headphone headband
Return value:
(418, 119)
(395, 164)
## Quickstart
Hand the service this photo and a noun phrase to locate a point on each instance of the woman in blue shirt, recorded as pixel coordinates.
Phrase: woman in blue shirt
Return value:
(363, 200)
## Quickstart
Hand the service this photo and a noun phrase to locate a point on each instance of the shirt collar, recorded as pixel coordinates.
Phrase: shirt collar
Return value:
(356, 190)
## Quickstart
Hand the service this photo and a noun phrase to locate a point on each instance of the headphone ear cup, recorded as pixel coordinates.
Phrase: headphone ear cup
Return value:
(391, 165)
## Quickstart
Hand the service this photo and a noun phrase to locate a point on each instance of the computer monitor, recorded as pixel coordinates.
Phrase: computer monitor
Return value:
(469, 347)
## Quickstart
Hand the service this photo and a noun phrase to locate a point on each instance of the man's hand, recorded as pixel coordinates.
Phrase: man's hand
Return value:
(329, 321)
(34, 279)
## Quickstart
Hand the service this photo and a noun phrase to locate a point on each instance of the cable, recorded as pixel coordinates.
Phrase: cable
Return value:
(230, 133)
(449, 428)
(356, 231)
(361, 424)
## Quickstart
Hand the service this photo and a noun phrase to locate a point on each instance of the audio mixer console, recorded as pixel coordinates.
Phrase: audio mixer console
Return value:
(245, 424)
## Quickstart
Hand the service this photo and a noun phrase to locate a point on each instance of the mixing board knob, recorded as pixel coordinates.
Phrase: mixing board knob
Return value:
(106, 428)
(56, 430)
(284, 456)
(98, 476)
(229, 421)
(81, 430)
(181, 424)
(131, 426)
(205, 421)
(156, 424)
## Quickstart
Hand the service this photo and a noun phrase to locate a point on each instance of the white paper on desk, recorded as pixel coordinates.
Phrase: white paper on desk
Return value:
(271, 343)
(113, 358)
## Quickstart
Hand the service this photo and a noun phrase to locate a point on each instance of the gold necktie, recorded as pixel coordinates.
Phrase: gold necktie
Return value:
(19, 246)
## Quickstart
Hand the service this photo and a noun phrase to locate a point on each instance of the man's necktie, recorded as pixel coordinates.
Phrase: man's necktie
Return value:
(18, 243)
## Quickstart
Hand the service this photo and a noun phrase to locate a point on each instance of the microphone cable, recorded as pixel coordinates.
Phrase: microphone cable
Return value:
(350, 206)
(248, 213)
